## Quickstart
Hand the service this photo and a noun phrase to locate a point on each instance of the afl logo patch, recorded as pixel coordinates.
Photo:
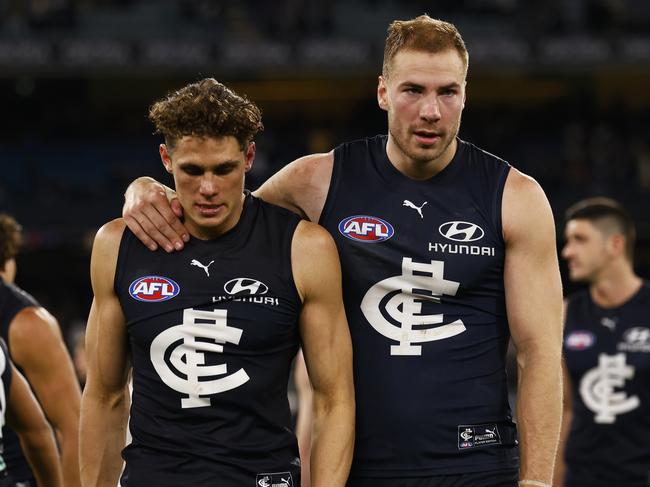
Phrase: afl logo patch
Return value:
(580, 340)
(153, 289)
(461, 231)
(363, 228)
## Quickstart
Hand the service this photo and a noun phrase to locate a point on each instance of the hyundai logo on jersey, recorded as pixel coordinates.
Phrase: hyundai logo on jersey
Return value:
(153, 289)
(245, 285)
(580, 340)
(461, 231)
(363, 228)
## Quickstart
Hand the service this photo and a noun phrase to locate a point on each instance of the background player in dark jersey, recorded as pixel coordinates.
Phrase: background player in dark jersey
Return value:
(607, 352)
(19, 409)
(233, 429)
(422, 89)
(37, 348)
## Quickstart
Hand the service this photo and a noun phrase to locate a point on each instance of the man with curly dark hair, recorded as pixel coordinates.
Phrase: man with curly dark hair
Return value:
(36, 346)
(210, 334)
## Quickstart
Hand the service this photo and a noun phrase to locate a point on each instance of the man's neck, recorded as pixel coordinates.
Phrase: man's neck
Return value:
(615, 286)
(419, 170)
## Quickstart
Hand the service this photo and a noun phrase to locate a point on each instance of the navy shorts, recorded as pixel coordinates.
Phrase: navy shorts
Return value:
(494, 478)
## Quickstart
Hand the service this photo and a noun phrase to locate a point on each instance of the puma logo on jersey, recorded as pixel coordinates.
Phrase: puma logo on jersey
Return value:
(278, 479)
(204, 267)
(408, 204)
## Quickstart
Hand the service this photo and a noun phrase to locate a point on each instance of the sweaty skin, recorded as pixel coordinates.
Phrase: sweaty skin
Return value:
(424, 96)
(209, 177)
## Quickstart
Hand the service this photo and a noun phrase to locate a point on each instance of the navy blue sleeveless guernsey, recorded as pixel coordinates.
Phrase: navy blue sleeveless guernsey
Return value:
(5, 376)
(212, 332)
(12, 301)
(607, 353)
(424, 296)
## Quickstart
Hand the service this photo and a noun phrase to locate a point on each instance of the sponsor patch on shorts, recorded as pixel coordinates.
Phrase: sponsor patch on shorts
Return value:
(478, 435)
(274, 479)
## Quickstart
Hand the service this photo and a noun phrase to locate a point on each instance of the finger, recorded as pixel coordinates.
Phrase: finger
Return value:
(166, 223)
(139, 232)
(144, 218)
(178, 211)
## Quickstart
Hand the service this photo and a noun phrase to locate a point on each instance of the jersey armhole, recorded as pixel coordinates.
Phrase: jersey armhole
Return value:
(292, 279)
(125, 243)
(334, 184)
(498, 201)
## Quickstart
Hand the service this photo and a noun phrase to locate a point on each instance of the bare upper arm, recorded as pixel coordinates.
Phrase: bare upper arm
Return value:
(106, 338)
(301, 186)
(323, 325)
(531, 274)
(37, 346)
(23, 412)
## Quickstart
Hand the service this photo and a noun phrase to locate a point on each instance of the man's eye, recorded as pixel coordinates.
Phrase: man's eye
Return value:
(223, 170)
(193, 170)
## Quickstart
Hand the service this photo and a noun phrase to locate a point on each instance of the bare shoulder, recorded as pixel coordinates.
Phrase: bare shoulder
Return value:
(525, 208)
(314, 258)
(312, 239)
(109, 234)
(301, 186)
(30, 324)
(105, 250)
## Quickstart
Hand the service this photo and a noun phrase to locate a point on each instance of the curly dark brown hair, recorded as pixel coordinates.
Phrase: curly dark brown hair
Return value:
(206, 108)
(10, 238)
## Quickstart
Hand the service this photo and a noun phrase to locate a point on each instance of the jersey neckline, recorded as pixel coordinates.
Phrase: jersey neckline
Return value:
(388, 170)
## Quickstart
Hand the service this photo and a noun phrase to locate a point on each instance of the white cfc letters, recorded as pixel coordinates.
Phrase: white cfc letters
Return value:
(597, 388)
(419, 282)
(188, 356)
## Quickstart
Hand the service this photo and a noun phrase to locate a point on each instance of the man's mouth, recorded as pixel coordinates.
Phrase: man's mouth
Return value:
(207, 210)
(427, 137)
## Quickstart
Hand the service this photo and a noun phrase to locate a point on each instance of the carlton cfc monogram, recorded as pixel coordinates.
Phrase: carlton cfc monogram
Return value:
(188, 356)
(405, 306)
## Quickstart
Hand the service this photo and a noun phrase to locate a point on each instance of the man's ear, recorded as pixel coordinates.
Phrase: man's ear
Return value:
(616, 243)
(250, 156)
(382, 93)
(165, 157)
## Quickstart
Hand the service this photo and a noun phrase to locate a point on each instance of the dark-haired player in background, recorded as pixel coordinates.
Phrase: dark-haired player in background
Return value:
(19, 409)
(447, 252)
(607, 352)
(37, 348)
(210, 333)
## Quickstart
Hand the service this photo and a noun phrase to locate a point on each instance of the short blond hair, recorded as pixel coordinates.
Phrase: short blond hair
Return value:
(422, 33)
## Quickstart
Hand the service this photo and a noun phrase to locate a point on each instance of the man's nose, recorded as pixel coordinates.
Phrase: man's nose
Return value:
(430, 109)
(208, 186)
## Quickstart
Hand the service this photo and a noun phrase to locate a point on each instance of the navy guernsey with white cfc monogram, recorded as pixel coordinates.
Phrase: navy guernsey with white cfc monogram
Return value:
(212, 332)
(607, 355)
(424, 296)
